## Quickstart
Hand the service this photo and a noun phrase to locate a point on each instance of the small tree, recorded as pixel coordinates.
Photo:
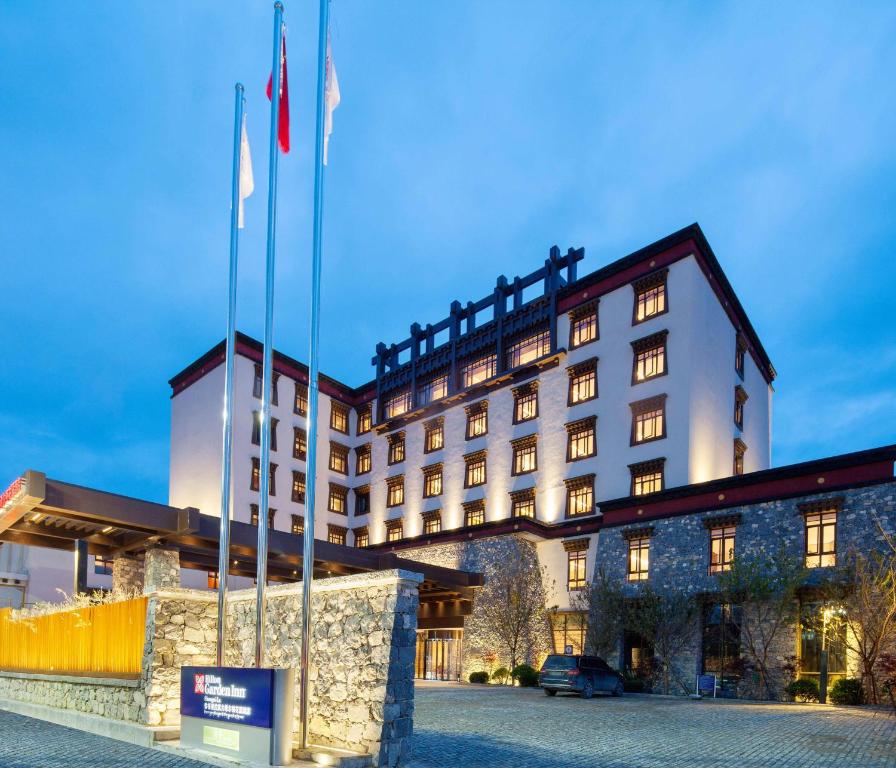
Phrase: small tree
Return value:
(765, 585)
(603, 604)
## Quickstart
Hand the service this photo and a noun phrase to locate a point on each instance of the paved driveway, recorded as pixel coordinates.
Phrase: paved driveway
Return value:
(471, 726)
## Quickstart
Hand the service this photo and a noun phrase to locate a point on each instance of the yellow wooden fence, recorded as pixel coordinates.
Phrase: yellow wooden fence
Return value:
(102, 640)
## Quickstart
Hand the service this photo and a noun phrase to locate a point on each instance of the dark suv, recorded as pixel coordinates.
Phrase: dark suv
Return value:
(585, 675)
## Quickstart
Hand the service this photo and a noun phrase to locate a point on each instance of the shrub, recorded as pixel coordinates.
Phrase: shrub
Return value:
(803, 690)
(632, 682)
(479, 677)
(500, 675)
(525, 675)
(847, 690)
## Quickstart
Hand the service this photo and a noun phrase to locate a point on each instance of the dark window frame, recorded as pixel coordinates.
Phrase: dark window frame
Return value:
(573, 486)
(521, 394)
(645, 407)
(430, 473)
(587, 369)
(646, 284)
(431, 428)
(648, 344)
(577, 430)
(396, 481)
(584, 313)
(340, 411)
(641, 469)
(474, 412)
(518, 447)
(471, 462)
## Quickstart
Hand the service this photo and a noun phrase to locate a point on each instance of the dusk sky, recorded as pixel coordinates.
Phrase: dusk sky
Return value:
(471, 137)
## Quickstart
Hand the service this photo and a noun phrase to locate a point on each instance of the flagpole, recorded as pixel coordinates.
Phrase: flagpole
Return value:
(224, 536)
(267, 373)
(308, 537)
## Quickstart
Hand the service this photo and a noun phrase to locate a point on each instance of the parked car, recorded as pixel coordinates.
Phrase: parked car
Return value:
(585, 675)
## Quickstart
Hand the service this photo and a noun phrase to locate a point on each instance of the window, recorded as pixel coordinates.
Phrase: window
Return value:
(253, 515)
(528, 349)
(576, 553)
(212, 580)
(525, 457)
(102, 566)
(298, 486)
(362, 459)
(821, 537)
(339, 417)
(365, 419)
(649, 359)
(274, 423)
(475, 473)
(522, 503)
(639, 554)
(568, 629)
(256, 473)
(721, 643)
(650, 296)
(474, 512)
(740, 397)
(740, 448)
(478, 370)
(580, 439)
(648, 420)
(258, 382)
(583, 325)
(394, 530)
(300, 404)
(298, 525)
(339, 458)
(477, 419)
(362, 500)
(582, 382)
(822, 628)
(433, 435)
(647, 476)
(740, 354)
(299, 444)
(434, 389)
(432, 481)
(275, 378)
(397, 404)
(721, 547)
(336, 534)
(525, 402)
(336, 500)
(580, 496)
(256, 427)
(395, 491)
(432, 521)
(362, 538)
(396, 447)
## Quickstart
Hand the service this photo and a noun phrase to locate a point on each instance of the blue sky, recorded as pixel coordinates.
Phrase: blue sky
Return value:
(471, 137)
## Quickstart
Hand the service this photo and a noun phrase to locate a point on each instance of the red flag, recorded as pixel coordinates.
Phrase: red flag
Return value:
(283, 122)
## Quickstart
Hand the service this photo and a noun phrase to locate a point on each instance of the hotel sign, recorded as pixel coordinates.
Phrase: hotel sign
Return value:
(235, 695)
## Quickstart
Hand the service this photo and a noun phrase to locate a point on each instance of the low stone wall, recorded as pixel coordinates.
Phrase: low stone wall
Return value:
(108, 697)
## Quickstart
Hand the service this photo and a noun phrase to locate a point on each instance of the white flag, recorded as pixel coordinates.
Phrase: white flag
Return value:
(247, 183)
(331, 98)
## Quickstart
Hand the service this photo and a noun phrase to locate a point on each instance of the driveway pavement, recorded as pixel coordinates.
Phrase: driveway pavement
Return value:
(471, 726)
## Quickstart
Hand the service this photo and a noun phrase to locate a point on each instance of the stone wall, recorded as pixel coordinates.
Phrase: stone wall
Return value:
(114, 699)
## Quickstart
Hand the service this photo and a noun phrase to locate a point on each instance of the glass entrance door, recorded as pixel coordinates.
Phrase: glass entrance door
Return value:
(438, 654)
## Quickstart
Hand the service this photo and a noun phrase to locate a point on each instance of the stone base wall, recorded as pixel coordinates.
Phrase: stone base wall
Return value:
(114, 699)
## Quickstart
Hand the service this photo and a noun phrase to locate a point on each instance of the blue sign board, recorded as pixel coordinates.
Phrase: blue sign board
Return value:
(238, 695)
(706, 684)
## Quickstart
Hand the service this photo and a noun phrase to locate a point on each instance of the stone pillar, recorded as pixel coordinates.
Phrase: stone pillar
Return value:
(161, 570)
(127, 574)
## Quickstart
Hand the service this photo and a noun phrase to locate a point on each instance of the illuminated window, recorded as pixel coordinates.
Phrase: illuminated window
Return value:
(298, 486)
(649, 357)
(581, 442)
(821, 539)
(650, 296)
(300, 404)
(258, 382)
(477, 419)
(433, 435)
(298, 524)
(639, 558)
(394, 530)
(396, 447)
(362, 500)
(253, 515)
(648, 420)
(397, 404)
(365, 419)
(337, 499)
(212, 580)
(583, 325)
(362, 538)
(434, 389)
(740, 397)
(432, 521)
(362, 459)
(527, 350)
(336, 534)
(432, 481)
(721, 547)
(299, 444)
(395, 491)
(525, 402)
(478, 370)
(647, 477)
(580, 496)
(102, 566)
(568, 630)
(256, 427)
(475, 469)
(339, 458)
(740, 448)
(576, 554)
(823, 627)
(474, 512)
(740, 353)
(522, 503)
(525, 457)
(339, 417)
(582, 381)
(256, 474)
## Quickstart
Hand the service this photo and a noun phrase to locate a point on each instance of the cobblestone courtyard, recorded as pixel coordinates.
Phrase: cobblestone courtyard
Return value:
(462, 726)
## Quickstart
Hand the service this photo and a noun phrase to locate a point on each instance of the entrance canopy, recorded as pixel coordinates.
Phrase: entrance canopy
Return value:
(40, 512)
